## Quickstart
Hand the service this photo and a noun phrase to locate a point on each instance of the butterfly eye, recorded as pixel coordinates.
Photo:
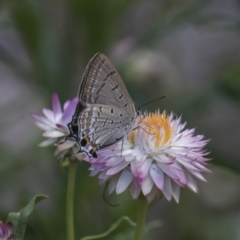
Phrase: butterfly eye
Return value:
(83, 142)
(74, 128)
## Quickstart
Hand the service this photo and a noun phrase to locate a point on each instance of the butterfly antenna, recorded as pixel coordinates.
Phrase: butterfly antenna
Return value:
(150, 102)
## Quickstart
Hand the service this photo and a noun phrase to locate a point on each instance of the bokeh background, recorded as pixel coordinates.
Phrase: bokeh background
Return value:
(188, 50)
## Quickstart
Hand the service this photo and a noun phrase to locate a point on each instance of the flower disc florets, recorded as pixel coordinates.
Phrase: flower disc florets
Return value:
(156, 158)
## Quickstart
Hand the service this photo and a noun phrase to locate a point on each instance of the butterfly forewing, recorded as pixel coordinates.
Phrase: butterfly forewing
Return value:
(101, 84)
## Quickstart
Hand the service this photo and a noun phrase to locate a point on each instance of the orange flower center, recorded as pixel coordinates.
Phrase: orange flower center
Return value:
(154, 124)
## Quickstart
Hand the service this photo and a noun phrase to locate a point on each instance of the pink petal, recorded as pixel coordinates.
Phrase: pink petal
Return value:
(65, 105)
(69, 111)
(56, 105)
(173, 172)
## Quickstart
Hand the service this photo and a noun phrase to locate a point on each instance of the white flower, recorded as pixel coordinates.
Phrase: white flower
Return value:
(54, 124)
(157, 158)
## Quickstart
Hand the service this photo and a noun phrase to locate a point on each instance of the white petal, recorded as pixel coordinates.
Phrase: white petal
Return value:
(65, 145)
(164, 159)
(187, 164)
(113, 184)
(103, 175)
(49, 114)
(147, 185)
(113, 161)
(53, 134)
(191, 182)
(152, 195)
(175, 191)
(129, 158)
(122, 152)
(80, 156)
(198, 175)
(47, 142)
(43, 120)
(167, 188)
(115, 169)
(143, 169)
(201, 167)
(141, 157)
(44, 127)
(135, 190)
(157, 175)
(124, 181)
(174, 172)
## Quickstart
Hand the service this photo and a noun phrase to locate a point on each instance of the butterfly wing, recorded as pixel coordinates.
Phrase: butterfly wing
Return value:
(101, 84)
(104, 124)
(105, 112)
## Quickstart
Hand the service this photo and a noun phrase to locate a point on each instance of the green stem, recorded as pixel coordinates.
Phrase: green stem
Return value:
(70, 199)
(142, 212)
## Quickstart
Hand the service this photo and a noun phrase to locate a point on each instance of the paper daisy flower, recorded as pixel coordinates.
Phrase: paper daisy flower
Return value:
(155, 159)
(6, 231)
(54, 124)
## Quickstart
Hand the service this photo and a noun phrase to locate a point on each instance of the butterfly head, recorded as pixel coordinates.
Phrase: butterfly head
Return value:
(73, 126)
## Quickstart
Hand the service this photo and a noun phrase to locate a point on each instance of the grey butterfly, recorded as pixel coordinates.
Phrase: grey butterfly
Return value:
(105, 112)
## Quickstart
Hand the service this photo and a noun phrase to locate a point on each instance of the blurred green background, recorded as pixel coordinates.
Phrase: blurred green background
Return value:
(188, 50)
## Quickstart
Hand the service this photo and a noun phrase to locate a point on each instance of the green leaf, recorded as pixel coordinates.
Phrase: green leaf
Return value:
(19, 219)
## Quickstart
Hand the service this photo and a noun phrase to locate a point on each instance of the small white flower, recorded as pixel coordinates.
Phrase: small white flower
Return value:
(54, 124)
(157, 158)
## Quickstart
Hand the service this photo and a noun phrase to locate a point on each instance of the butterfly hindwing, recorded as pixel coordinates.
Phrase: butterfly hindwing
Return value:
(104, 124)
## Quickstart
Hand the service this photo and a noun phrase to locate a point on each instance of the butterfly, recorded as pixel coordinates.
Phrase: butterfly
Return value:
(105, 112)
